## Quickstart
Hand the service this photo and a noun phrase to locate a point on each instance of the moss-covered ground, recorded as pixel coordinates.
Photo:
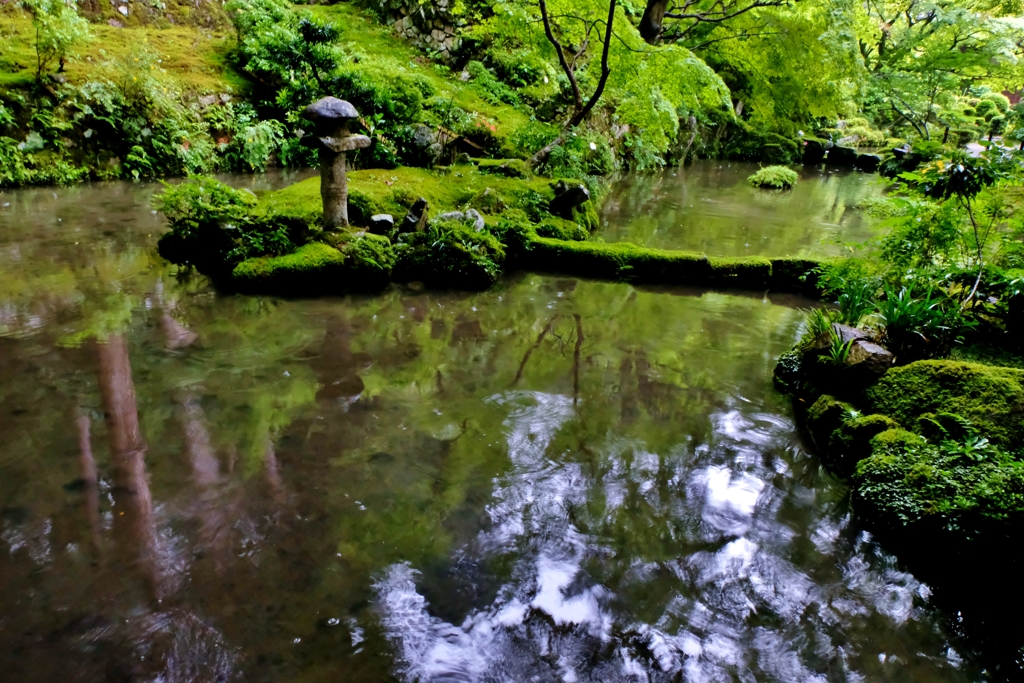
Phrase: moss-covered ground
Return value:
(368, 42)
(393, 191)
(191, 59)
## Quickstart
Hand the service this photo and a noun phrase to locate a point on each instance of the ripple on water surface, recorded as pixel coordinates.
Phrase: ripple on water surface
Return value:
(552, 480)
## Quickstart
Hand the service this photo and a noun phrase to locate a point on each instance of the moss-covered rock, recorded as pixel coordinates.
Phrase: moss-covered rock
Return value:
(990, 398)
(448, 254)
(852, 441)
(313, 269)
(359, 262)
(941, 494)
(510, 168)
(561, 229)
(825, 416)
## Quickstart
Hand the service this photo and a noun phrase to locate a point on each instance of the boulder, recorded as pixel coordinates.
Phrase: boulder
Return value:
(568, 195)
(416, 219)
(814, 150)
(382, 224)
(869, 360)
(842, 156)
(867, 162)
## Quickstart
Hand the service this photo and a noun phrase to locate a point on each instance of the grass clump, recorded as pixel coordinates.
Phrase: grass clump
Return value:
(774, 178)
(989, 398)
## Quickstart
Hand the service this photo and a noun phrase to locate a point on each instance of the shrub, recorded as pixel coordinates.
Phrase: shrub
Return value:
(1001, 102)
(58, 27)
(915, 327)
(489, 86)
(774, 177)
(449, 254)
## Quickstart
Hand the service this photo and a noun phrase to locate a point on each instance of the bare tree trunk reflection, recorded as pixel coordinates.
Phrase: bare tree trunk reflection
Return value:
(133, 502)
(576, 360)
(89, 477)
(214, 526)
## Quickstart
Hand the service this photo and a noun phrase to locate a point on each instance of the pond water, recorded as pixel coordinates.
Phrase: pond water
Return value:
(553, 480)
(709, 207)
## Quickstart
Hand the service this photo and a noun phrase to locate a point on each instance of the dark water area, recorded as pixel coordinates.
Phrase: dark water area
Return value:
(709, 207)
(552, 480)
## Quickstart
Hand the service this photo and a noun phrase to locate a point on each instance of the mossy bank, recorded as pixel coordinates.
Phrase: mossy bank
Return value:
(475, 222)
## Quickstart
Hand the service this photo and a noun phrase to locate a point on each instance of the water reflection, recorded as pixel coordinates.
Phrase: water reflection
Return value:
(709, 207)
(553, 479)
(734, 607)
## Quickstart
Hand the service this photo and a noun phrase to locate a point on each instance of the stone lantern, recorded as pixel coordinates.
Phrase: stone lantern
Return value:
(331, 136)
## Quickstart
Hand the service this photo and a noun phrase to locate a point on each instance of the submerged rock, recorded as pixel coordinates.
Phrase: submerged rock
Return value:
(842, 156)
(867, 162)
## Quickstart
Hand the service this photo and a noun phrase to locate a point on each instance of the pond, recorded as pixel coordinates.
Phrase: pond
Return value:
(709, 207)
(555, 479)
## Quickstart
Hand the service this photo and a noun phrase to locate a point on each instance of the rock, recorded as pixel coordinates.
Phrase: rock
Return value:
(207, 100)
(867, 162)
(478, 220)
(842, 156)
(382, 224)
(814, 150)
(452, 216)
(464, 76)
(423, 137)
(568, 195)
(416, 219)
(869, 360)
(901, 151)
(463, 158)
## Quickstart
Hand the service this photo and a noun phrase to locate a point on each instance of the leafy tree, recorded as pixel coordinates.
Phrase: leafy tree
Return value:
(58, 28)
(921, 55)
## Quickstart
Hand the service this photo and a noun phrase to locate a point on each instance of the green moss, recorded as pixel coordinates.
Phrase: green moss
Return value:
(825, 416)
(313, 269)
(852, 441)
(909, 485)
(190, 59)
(622, 261)
(367, 41)
(796, 274)
(363, 263)
(586, 215)
(510, 168)
(561, 229)
(749, 271)
(393, 190)
(990, 398)
(774, 178)
(449, 254)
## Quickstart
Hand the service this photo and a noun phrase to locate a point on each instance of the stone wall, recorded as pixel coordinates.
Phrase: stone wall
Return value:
(428, 25)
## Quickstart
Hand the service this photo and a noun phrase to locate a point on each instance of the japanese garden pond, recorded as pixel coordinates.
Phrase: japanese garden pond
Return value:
(555, 479)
